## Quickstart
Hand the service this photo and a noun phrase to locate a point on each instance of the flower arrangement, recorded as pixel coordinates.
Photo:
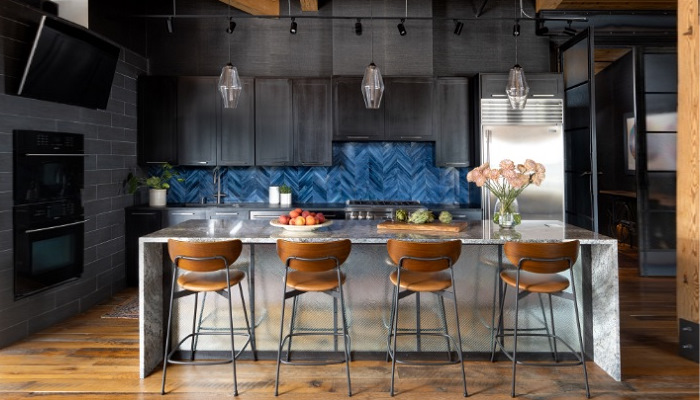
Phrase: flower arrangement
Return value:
(507, 182)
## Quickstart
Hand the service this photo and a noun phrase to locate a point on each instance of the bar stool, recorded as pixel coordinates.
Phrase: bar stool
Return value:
(313, 267)
(538, 267)
(205, 268)
(424, 267)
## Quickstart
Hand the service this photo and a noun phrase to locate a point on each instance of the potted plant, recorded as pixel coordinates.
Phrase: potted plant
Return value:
(285, 195)
(158, 184)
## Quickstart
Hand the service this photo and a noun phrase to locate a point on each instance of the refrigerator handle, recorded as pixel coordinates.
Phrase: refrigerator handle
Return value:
(487, 147)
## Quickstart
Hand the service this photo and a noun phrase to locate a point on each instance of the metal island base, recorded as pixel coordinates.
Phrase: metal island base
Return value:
(368, 290)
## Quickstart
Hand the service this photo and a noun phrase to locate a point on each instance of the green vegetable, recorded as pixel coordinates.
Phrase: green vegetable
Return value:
(421, 217)
(401, 215)
(445, 217)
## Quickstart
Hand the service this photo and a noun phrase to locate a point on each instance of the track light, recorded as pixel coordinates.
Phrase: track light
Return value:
(516, 29)
(358, 27)
(458, 27)
(169, 24)
(231, 26)
(568, 30)
(293, 27)
(402, 29)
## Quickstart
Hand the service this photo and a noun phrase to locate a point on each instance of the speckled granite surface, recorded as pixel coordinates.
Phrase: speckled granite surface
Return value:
(597, 276)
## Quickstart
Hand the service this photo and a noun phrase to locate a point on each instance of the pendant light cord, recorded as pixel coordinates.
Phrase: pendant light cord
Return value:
(406, 9)
(371, 20)
(228, 4)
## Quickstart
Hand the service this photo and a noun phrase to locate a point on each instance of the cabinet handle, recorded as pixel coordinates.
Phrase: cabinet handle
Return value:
(311, 164)
(143, 213)
(411, 137)
(157, 162)
(182, 213)
(542, 95)
(358, 137)
(457, 163)
(234, 214)
(498, 95)
(203, 162)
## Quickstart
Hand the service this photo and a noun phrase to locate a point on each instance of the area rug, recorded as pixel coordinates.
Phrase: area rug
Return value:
(129, 309)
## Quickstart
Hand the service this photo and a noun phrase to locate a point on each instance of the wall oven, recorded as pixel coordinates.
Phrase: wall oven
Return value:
(48, 217)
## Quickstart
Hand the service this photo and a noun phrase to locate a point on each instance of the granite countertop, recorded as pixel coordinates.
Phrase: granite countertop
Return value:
(305, 206)
(365, 232)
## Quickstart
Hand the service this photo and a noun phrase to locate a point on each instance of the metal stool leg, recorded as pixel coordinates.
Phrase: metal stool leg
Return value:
(515, 339)
(550, 338)
(231, 335)
(554, 332)
(247, 323)
(195, 326)
(443, 320)
(167, 335)
(346, 336)
(281, 343)
(394, 330)
(291, 328)
(459, 335)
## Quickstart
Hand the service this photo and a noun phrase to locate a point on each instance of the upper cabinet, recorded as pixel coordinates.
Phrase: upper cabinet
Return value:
(452, 123)
(198, 114)
(236, 141)
(312, 122)
(157, 120)
(351, 120)
(409, 109)
(406, 112)
(274, 144)
(293, 122)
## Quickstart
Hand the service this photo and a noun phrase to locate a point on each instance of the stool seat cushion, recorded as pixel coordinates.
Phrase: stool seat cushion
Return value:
(314, 281)
(209, 281)
(422, 281)
(533, 282)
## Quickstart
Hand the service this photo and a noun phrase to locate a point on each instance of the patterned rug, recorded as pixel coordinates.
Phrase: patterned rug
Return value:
(129, 309)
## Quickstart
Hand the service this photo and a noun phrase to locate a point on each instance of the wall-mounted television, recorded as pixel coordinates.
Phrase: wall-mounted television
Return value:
(69, 65)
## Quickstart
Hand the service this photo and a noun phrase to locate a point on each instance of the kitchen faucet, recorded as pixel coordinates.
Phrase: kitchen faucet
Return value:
(217, 183)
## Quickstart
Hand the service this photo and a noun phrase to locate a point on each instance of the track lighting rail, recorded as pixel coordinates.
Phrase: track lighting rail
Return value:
(355, 17)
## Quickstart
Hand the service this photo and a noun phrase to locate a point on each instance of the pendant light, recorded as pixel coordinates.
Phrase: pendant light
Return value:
(517, 88)
(372, 82)
(229, 81)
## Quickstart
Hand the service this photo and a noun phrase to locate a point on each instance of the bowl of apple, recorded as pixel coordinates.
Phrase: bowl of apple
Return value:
(301, 220)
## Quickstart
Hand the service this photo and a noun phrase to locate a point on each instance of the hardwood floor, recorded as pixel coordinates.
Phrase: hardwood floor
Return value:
(88, 357)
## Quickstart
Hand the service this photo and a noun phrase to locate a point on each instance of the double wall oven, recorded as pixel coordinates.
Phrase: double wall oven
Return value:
(48, 218)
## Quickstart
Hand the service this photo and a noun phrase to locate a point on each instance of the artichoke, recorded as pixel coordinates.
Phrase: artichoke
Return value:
(401, 215)
(421, 217)
(445, 217)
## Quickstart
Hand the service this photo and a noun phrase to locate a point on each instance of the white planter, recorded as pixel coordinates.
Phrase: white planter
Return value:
(285, 199)
(157, 197)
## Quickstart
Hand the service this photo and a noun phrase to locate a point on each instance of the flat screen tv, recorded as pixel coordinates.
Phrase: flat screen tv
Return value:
(69, 65)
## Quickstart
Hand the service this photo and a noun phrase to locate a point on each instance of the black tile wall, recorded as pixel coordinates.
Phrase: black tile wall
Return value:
(111, 146)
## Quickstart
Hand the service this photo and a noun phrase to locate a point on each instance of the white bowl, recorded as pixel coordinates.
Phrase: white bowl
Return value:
(300, 228)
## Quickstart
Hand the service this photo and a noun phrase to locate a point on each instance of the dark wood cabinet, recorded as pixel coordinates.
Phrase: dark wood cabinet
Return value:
(197, 120)
(351, 120)
(236, 139)
(274, 142)
(139, 222)
(452, 123)
(409, 109)
(157, 120)
(311, 107)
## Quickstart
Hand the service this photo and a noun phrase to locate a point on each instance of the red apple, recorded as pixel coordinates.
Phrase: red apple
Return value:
(294, 213)
(320, 217)
(284, 219)
(305, 213)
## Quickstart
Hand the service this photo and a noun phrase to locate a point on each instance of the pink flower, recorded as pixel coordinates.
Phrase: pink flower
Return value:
(507, 165)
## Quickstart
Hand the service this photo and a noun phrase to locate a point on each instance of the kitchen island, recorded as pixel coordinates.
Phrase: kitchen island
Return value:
(368, 290)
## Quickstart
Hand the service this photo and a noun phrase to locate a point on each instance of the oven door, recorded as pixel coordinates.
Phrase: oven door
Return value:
(47, 255)
(45, 177)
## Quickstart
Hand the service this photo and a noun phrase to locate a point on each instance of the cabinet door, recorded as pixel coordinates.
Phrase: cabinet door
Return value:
(312, 122)
(157, 120)
(452, 123)
(274, 144)
(409, 109)
(138, 223)
(175, 216)
(197, 120)
(237, 135)
(351, 120)
(219, 213)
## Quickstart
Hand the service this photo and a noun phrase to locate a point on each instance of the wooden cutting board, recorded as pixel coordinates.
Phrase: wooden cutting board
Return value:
(430, 226)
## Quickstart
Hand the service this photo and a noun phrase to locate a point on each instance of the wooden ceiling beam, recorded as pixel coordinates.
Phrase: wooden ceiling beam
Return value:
(546, 5)
(610, 5)
(255, 7)
(309, 5)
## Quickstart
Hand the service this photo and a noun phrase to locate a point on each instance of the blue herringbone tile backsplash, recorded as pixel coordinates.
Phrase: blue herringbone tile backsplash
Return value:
(361, 171)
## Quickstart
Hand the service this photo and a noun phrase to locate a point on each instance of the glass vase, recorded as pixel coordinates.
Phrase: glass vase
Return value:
(506, 215)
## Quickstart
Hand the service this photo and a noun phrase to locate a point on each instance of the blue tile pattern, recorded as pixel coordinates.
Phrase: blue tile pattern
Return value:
(361, 171)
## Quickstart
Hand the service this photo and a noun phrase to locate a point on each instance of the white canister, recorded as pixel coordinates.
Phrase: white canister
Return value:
(286, 199)
(274, 194)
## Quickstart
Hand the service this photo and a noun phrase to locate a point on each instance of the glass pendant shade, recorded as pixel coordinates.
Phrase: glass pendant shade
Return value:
(372, 87)
(517, 88)
(230, 86)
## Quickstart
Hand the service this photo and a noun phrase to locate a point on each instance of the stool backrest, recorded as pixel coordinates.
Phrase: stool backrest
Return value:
(229, 249)
(542, 258)
(313, 257)
(426, 250)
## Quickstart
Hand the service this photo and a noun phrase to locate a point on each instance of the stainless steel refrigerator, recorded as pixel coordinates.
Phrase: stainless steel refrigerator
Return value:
(536, 133)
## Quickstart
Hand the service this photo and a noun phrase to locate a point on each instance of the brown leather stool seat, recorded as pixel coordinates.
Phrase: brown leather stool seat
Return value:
(313, 267)
(538, 268)
(424, 267)
(204, 267)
